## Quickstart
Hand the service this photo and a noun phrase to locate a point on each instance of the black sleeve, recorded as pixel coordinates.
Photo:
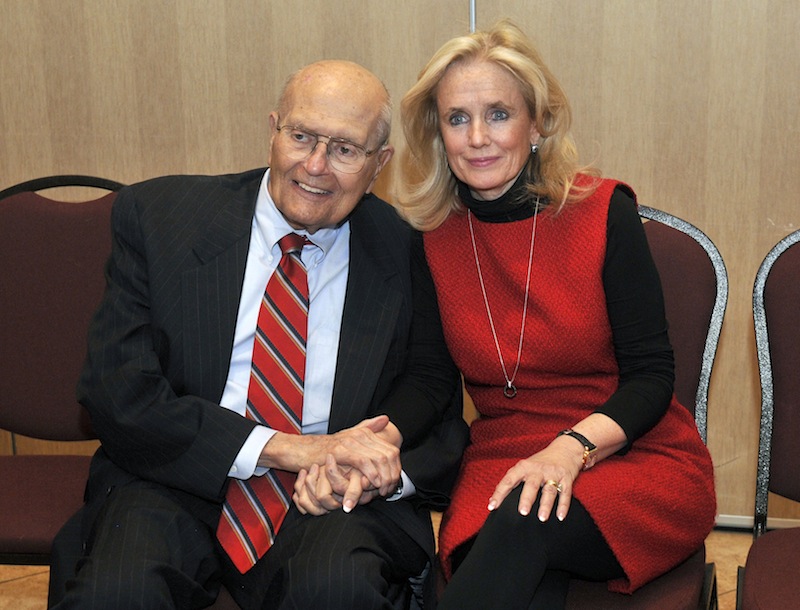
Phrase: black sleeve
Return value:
(420, 396)
(635, 305)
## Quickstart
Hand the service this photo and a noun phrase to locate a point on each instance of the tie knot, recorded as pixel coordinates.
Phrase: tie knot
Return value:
(292, 243)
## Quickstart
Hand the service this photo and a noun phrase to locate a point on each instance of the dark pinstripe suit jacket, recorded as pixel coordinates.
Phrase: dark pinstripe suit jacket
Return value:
(160, 346)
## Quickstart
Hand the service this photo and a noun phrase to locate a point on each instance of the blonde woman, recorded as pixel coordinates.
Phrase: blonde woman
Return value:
(582, 462)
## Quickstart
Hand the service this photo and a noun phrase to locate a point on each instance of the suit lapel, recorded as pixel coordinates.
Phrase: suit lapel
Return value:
(211, 291)
(371, 306)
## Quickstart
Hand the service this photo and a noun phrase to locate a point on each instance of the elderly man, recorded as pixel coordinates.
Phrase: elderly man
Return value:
(269, 380)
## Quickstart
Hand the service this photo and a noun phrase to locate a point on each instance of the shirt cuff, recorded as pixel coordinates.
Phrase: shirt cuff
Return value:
(246, 463)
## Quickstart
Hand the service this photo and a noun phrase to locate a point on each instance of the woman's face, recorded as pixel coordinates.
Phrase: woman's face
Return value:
(485, 126)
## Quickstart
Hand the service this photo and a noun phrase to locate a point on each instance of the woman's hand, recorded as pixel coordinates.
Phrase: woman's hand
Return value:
(552, 470)
(313, 494)
(319, 490)
(555, 468)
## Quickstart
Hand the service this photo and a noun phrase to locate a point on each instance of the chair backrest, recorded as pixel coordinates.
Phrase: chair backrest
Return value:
(52, 255)
(776, 306)
(695, 285)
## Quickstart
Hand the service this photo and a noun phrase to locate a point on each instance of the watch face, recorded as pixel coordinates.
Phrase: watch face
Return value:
(589, 458)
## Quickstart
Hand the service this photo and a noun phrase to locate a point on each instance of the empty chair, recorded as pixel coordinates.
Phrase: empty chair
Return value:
(52, 255)
(769, 578)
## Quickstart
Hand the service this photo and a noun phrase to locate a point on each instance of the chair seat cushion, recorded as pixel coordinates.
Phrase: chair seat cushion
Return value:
(39, 493)
(770, 577)
(679, 589)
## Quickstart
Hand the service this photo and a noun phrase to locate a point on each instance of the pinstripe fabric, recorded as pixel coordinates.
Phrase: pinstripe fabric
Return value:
(254, 509)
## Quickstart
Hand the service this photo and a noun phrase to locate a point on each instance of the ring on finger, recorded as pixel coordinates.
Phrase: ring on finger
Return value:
(555, 484)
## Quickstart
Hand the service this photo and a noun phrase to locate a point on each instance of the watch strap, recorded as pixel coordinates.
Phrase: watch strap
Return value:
(589, 448)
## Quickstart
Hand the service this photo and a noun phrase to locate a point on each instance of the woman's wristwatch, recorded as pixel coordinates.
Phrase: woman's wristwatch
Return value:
(589, 448)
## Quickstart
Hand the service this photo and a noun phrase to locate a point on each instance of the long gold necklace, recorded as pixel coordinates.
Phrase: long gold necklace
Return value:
(509, 390)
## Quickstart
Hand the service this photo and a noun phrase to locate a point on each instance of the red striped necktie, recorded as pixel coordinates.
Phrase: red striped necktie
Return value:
(254, 509)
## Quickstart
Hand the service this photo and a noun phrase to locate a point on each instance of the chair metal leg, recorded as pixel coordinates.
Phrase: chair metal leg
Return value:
(739, 587)
(709, 599)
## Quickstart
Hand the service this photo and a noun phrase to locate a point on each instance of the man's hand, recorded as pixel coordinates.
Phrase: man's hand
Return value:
(372, 448)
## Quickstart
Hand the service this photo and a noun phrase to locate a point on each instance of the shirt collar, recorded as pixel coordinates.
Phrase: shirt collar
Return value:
(273, 226)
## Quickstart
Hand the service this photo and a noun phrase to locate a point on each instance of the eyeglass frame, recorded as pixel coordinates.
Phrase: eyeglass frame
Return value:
(317, 136)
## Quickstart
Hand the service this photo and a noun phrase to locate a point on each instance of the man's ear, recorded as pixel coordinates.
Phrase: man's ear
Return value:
(384, 156)
(273, 130)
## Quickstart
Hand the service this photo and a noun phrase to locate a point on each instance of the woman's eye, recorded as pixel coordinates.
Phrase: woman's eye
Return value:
(457, 119)
(498, 115)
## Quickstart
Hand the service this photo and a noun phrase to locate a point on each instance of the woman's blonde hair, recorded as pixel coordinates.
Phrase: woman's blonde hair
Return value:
(431, 186)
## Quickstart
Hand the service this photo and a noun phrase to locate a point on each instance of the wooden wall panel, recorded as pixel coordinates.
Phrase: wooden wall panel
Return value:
(132, 89)
(693, 102)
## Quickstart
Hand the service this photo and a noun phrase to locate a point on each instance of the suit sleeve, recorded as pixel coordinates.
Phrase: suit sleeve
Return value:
(182, 441)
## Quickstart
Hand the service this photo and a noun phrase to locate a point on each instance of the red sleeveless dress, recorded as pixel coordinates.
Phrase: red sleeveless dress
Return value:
(654, 505)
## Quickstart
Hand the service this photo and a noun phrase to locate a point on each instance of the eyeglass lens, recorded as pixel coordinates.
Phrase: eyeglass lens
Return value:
(343, 156)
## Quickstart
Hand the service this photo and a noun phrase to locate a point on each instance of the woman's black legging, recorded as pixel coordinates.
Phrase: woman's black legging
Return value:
(520, 562)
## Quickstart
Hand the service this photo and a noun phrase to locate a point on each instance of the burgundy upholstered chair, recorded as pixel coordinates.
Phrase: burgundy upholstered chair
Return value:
(52, 255)
(769, 578)
(695, 284)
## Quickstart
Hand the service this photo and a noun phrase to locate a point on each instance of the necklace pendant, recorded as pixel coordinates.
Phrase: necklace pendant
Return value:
(509, 391)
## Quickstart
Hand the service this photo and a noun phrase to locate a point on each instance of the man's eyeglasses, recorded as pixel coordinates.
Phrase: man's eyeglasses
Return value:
(343, 155)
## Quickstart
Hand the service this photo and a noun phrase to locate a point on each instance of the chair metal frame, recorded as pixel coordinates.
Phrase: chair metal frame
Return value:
(47, 182)
(765, 375)
(717, 315)
(708, 598)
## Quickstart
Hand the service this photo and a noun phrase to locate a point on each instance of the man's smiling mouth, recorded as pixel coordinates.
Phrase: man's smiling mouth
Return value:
(310, 189)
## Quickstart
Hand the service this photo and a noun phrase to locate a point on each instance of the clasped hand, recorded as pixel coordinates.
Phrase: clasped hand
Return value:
(338, 470)
(322, 489)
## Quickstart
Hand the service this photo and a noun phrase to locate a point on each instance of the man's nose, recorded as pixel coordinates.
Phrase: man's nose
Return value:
(317, 160)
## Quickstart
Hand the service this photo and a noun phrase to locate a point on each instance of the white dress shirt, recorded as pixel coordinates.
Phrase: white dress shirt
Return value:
(327, 264)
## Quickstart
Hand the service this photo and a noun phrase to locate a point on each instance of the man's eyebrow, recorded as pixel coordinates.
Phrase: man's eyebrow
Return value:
(335, 138)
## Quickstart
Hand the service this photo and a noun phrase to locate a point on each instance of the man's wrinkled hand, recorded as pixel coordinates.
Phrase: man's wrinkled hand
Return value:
(372, 447)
